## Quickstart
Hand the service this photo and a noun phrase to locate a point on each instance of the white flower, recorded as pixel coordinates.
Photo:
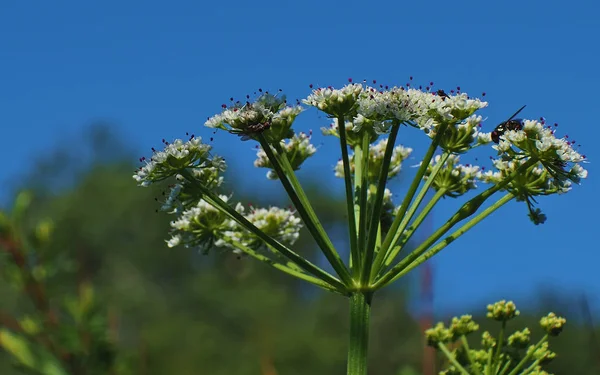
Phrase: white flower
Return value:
(389, 105)
(297, 149)
(281, 224)
(455, 179)
(335, 102)
(376, 154)
(199, 226)
(269, 114)
(174, 158)
(555, 155)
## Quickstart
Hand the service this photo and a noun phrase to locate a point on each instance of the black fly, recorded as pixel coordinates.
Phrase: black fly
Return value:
(511, 124)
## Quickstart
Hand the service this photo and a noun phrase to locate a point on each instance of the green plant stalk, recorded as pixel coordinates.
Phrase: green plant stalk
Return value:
(500, 342)
(488, 367)
(422, 215)
(354, 256)
(411, 211)
(218, 203)
(505, 367)
(465, 343)
(361, 188)
(527, 357)
(531, 367)
(293, 188)
(358, 347)
(286, 269)
(387, 242)
(421, 254)
(451, 358)
(465, 211)
(374, 235)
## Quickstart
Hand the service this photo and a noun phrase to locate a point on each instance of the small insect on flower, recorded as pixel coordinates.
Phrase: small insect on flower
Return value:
(511, 124)
(441, 93)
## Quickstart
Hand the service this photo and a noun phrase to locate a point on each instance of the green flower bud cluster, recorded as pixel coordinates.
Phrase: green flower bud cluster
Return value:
(502, 311)
(514, 355)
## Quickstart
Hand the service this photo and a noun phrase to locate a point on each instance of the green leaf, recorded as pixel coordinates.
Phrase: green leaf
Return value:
(30, 355)
(22, 202)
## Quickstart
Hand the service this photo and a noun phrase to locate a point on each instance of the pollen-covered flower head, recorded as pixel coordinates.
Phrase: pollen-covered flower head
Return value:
(269, 115)
(376, 154)
(335, 102)
(453, 178)
(297, 150)
(176, 157)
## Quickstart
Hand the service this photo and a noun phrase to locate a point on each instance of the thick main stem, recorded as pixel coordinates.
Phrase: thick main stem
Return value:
(360, 314)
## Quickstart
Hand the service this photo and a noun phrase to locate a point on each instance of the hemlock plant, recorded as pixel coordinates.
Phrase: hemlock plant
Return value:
(531, 161)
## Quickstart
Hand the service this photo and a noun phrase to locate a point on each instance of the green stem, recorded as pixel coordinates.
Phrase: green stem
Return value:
(500, 342)
(374, 235)
(465, 343)
(361, 159)
(421, 254)
(413, 208)
(387, 242)
(360, 313)
(218, 203)
(488, 367)
(422, 215)
(354, 256)
(451, 358)
(531, 367)
(281, 164)
(290, 269)
(528, 356)
(505, 367)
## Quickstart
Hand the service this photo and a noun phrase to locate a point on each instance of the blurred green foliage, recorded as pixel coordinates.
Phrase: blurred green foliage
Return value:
(173, 311)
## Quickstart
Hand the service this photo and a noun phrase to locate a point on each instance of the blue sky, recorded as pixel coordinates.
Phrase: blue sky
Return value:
(158, 69)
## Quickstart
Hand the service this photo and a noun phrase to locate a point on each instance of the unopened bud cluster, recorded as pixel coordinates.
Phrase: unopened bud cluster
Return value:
(516, 349)
(502, 311)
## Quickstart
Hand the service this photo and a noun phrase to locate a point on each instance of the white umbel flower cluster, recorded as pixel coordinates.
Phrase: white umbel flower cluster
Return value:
(453, 178)
(376, 154)
(297, 150)
(204, 226)
(539, 142)
(335, 102)
(199, 226)
(269, 114)
(386, 105)
(278, 223)
(376, 110)
(176, 157)
(556, 162)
